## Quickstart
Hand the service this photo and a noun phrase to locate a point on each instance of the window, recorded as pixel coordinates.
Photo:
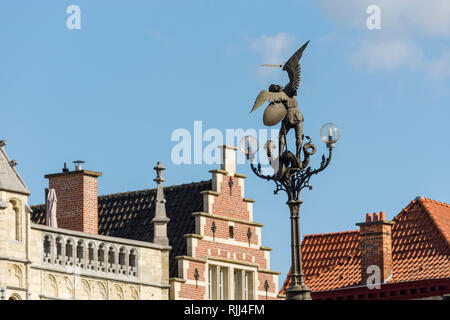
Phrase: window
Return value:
(111, 256)
(80, 250)
(59, 247)
(101, 253)
(211, 283)
(243, 284)
(18, 224)
(122, 255)
(69, 249)
(222, 284)
(237, 284)
(218, 283)
(47, 246)
(231, 232)
(91, 252)
(17, 219)
(132, 258)
(15, 296)
(246, 286)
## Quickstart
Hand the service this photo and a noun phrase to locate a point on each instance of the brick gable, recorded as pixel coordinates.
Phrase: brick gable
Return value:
(192, 210)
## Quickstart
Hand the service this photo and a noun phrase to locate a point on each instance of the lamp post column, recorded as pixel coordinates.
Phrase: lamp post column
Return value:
(298, 290)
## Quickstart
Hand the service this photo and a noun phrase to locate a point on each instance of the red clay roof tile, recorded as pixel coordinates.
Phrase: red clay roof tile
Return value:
(420, 250)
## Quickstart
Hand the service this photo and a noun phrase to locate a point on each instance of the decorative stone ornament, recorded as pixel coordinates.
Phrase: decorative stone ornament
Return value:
(160, 220)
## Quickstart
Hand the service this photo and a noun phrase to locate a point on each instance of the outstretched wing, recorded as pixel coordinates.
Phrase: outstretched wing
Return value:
(265, 96)
(292, 67)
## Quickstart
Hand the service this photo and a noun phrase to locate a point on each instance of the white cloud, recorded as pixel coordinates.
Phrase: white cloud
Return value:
(273, 49)
(404, 23)
(417, 16)
(387, 55)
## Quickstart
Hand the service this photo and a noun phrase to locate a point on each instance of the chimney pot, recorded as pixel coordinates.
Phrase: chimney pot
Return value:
(375, 216)
(368, 217)
(78, 165)
(382, 216)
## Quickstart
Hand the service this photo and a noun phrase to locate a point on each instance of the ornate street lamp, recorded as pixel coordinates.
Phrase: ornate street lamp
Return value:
(291, 171)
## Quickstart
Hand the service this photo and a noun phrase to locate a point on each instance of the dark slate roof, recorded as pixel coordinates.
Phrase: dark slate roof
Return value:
(128, 215)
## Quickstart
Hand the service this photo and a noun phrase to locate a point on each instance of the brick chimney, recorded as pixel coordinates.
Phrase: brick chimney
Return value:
(77, 194)
(376, 245)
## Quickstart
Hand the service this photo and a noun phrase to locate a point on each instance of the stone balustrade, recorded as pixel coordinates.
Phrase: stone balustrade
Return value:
(92, 253)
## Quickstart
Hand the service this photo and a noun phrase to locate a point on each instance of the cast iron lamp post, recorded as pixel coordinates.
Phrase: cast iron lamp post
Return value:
(292, 175)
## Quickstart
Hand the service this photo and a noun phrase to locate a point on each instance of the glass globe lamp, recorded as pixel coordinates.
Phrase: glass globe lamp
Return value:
(330, 134)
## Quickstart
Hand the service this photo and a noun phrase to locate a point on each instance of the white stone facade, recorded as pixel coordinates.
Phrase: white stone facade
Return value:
(39, 262)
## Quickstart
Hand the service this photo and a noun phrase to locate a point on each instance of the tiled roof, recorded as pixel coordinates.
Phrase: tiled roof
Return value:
(420, 250)
(421, 242)
(128, 215)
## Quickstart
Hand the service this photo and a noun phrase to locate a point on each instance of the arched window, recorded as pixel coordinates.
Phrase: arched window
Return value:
(80, 250)
(15, 296)
(112, 260)
(101, 257)
(17, 219)
(101, 253)
(91, 252)
(69, 249)
(132, 263)
(18, 225)
(59, 247)
(132, 258)
(47, 246)
(111, 255)
(122, 260)
(122, 255)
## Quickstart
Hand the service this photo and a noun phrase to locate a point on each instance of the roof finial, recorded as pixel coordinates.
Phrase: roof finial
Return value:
(159, 169)
(160, 220)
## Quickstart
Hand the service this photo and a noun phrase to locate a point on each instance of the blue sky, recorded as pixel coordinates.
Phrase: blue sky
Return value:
(113, 92)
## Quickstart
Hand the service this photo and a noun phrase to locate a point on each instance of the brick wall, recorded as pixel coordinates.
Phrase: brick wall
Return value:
(191, 290)
(272, 285)
(229, 203)
(222, 231)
